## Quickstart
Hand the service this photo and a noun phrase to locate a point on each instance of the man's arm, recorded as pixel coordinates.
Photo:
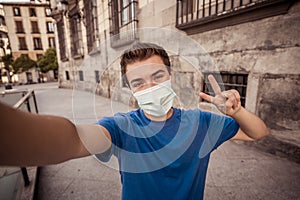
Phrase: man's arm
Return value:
(251, 126)
(228, 102)
(34, 140)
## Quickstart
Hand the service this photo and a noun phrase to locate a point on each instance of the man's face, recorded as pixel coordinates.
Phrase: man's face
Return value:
(147, 73)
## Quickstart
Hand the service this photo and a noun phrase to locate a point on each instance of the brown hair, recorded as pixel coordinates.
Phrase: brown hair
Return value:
(142, 51)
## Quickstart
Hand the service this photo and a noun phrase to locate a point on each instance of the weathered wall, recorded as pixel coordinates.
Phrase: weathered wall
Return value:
(268, 50)
(278, 101)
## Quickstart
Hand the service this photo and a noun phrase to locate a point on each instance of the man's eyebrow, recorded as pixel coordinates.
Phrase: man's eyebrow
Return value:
(157, 72)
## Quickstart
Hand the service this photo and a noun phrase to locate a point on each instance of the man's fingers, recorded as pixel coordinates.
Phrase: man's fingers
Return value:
(237, 95)
(214, 84)
(206, 97)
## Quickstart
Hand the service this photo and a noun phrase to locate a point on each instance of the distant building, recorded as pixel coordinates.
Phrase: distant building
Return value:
(4, 45)
(30, 30)
(255, 45)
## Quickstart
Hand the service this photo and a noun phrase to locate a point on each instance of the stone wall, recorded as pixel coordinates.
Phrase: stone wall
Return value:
(268, 50)
(278, 101)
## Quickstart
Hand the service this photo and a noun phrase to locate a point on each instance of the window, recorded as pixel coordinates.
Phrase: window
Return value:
(50, 28)
(91, 23)
(37, 42)
(61, 39)
(19, 27)
(196, 16)
(22, 43)
(17, 11)
(97, 76)
(228, 81)
(67, 75)
(48, 12)
(122, 20)
(127, 14)
(75, 29)
(51, 41)
(35, 27)
(32, 12)
(80, 73)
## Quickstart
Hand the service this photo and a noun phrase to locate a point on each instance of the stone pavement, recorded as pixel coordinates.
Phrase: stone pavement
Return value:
(236, 171)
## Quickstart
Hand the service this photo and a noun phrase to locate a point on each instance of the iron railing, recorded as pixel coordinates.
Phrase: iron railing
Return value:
(228, 81)
(191, 13)
(123, 22)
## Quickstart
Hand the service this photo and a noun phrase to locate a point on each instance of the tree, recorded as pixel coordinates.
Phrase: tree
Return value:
(48, 61)
(23, 63)
(8, 61)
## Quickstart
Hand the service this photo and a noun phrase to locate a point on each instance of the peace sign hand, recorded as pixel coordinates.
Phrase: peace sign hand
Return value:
(228, 102)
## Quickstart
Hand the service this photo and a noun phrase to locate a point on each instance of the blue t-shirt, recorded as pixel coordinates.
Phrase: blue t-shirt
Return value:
(165, 160)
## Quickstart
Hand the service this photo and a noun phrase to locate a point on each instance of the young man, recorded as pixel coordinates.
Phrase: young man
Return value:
(163, 152)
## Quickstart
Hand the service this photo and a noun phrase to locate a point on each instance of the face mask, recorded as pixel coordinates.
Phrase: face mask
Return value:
(156, 100)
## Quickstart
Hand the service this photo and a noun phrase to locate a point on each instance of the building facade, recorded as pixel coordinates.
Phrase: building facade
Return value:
(30, 30)
(253, 46)
(4, 45)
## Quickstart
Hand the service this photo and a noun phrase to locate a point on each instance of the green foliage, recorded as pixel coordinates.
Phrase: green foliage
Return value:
(7, 60)
(48, 61)
(23, 63)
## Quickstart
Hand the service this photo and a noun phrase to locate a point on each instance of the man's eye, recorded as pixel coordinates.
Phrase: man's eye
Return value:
(135, 85)
(157, 77)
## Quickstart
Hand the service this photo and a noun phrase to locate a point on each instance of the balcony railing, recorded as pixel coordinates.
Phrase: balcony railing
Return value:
(195, 16)
(10, 182)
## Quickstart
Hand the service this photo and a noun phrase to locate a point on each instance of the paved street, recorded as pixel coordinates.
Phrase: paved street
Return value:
(236, 171)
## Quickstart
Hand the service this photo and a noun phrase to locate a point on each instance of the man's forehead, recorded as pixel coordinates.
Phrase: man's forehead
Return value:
(144, 69)
(153, 60)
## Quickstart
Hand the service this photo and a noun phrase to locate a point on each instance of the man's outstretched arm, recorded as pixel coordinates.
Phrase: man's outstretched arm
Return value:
(34, 140)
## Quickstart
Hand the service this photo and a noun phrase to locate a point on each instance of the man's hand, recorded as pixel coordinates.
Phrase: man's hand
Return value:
(228, 102)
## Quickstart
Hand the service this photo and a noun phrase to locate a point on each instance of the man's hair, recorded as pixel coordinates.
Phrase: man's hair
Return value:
(142, 51)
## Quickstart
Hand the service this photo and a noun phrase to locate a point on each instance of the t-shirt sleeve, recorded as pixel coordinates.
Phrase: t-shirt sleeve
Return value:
(230, 128)
(219, 129)
(109, 124)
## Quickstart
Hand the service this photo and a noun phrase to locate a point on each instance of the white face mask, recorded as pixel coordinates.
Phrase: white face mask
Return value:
(156, 100)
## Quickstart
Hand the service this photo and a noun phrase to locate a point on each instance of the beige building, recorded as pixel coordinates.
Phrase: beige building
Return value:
(4, 41)
(30, 29)
(252, 46)
(4, 45)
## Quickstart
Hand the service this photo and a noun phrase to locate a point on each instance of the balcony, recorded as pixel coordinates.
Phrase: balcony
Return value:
(196, 16)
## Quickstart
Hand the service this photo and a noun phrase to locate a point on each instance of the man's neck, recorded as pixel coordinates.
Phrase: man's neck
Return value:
(164, 118)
